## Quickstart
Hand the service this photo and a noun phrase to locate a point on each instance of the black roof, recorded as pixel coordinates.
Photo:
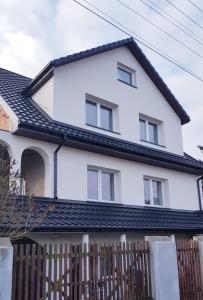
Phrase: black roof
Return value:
(138, 54)
(91, 216)
(35, 123)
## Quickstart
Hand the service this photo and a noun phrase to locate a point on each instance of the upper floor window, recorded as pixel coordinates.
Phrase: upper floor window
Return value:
(126, 75)
(99, 115)
(148, 131)
(153, 192)
(100, 185)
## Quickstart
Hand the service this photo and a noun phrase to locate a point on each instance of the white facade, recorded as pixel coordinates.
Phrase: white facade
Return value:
(64, 98)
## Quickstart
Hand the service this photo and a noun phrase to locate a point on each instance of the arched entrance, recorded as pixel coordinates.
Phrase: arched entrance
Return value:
(33, 172)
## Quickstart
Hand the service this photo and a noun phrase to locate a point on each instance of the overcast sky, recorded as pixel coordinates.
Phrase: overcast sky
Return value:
(34, 31)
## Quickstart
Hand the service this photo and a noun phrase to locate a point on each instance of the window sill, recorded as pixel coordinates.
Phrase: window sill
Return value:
(155, 206)
(127, 83)
(116, 132)
(102, 201)
(153, 143)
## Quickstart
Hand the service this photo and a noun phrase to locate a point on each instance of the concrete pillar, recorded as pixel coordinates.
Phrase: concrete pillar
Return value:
(164, 268)
(199, 238)
(6, 267)
(86, 240)
(123, 238)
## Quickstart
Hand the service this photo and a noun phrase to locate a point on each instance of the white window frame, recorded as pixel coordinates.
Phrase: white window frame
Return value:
(151, 179)
(98, 112)
(99, 187)
(147, 130)
(128, 70)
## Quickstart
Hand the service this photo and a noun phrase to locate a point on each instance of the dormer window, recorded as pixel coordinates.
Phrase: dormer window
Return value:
(126, 74)
(99, 115)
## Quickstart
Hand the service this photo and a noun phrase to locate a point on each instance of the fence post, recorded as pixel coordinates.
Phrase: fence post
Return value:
(164, 268)
(199, 238)
(6, 267)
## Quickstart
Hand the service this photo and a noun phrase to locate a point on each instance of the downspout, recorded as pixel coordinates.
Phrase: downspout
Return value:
(199, 192)
(56, 168)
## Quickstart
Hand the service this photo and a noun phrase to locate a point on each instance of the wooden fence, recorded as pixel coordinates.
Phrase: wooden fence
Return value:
(73, 272)
(189, 270)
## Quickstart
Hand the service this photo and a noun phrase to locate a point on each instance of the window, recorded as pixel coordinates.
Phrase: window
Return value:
(99, 115)
(153, 192)
(125, 76)
(148, 131)
(100, 185)
(91, 113)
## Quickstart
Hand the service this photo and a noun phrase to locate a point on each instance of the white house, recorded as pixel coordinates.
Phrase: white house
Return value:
(98, 133)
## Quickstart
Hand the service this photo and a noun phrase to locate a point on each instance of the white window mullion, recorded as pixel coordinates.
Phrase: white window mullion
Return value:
(151, 193)
(98, 115)
(147, 130)
(99, 186)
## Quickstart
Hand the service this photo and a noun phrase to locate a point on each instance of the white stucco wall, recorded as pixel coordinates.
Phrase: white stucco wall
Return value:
(97, 76)
(44, 96)
(180, 189)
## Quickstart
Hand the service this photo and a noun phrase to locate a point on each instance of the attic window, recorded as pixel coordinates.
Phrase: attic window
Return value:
(126, 75)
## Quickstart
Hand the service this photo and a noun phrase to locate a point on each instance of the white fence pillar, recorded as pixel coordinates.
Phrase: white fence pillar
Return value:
(164, 267)
(199, 238)
(123, 238)
(6, 267)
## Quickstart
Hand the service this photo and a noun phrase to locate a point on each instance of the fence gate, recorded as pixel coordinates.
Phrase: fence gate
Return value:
(75, 272)
(189, 270)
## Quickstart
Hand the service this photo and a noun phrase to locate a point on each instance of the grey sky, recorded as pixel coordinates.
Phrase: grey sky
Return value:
(34, 31)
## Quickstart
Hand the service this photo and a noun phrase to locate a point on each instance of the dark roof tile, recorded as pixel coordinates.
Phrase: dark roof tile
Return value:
(79, 215)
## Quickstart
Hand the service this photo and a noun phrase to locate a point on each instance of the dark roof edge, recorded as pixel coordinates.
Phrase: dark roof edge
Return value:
(39, 80)
(48, 136)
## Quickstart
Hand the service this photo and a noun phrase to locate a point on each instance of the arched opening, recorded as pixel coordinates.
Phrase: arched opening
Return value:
(33, 172)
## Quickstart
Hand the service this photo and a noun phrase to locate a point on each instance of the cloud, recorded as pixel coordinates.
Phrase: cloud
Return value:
(33, 31)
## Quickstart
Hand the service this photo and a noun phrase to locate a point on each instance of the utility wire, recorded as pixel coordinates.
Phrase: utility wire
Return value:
(177, 64)
(158, 27)
(187, 31)
(132, 32)
(186, 15)
(195, 5)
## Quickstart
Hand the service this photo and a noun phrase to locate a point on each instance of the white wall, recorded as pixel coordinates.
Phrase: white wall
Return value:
(97, 76)
(44, 96)
(180, 188)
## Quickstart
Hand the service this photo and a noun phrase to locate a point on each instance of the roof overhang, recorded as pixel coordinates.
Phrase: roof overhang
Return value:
(48, 136)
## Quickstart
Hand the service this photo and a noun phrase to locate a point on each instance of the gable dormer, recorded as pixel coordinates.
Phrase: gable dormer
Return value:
(113, 90)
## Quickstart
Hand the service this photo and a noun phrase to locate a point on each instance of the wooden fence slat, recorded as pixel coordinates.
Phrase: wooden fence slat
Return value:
(105, 271)
(189, 270)
(44, 271)
(20, 273)
(14, 281)
(50, 272)
(26, 274)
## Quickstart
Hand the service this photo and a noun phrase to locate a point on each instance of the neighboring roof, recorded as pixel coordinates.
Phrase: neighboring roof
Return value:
(35, 123)
(138, 54)
(92, 216)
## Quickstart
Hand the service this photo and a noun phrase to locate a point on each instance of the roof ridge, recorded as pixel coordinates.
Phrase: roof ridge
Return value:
(119, 42)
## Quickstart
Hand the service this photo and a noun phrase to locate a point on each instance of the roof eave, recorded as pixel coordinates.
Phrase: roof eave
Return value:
(47, 135)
